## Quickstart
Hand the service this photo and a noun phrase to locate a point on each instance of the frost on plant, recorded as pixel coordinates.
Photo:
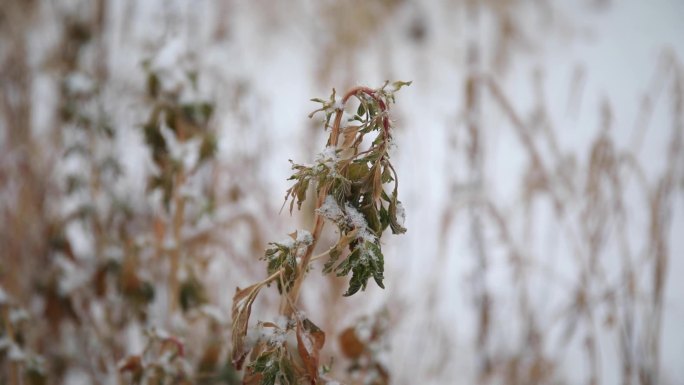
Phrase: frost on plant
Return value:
(356, 189)
(351, 179)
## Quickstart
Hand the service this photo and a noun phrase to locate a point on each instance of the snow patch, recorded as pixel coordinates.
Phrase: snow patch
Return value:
(4, 297)
(167, 65)
(15, 353)
(401, 214)
(18, 315)
(358, 221)
(304, 237)
(287, 242)
(187, 152)
(328, 158)
(214, 312)
(330, 209)
(79, 84)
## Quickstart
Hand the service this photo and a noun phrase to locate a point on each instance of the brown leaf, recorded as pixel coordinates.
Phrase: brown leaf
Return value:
(349, 136)
(377, 183)
(242, 307)
(131, 364)
(351, 345)
(175, 344)
(335, 252)
(99, 281)
(128, 278)
(210, 358)
(310, 341)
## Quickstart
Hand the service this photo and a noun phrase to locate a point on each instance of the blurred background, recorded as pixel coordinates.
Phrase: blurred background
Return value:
(540, 158)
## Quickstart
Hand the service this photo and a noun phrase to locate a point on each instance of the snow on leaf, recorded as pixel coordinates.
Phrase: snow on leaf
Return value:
(16, 354)
(356, 219)
(4, 297)
(304, 237)
(330, 209)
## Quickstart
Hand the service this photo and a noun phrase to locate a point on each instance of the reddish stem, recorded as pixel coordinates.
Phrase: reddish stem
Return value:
(372, 93)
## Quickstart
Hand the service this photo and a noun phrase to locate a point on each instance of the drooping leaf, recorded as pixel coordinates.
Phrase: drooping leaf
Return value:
(365, 261)
(336, 251)
(397, 228)
(310, 341)
(377, 183)
(399, 84)
(371, 215)
(242, 307)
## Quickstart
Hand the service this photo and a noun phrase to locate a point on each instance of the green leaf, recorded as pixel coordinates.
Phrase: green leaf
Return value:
(334, 256)
(357, 171)
(370, 212)
(399, 84)
(361, 110)
(379, 264)
(364, 262)
(282, 257)
(356, 282)
(156, 142)
(268, 365)
(387, 175)
(153, 85)
(207, 148)
(191, 294)
(384, 218)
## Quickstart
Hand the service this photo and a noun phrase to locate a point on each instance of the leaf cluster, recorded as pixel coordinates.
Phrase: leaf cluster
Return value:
(273, 363)
(349, 179)
(282, 256)
(174, 123)
(354, 178)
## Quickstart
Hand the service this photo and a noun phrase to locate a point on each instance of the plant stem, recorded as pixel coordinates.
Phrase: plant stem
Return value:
(177, 224)
(287, 306)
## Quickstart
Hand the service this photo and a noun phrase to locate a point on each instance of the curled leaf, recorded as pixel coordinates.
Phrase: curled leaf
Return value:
(399, 84)
(394, 212)
(310, 341)
(242, 307)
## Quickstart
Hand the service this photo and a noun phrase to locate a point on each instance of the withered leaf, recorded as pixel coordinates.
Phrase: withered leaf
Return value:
(335, 252)
(396, 227)
(242, 307)
(377, 183)
(310, 341)
(349, 134)
(131, 364)
(350, 344)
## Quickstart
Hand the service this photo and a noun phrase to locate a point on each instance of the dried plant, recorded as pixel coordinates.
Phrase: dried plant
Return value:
(590, 212)
(91, 268)
(348, 180)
